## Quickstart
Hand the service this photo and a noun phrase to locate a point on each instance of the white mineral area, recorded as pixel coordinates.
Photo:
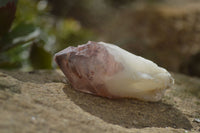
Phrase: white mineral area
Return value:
(141, 78)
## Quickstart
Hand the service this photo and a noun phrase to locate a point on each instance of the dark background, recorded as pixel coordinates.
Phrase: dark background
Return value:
(164, 31)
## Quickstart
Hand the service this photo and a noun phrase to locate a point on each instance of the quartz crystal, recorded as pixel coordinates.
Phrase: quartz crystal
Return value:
(107, 70)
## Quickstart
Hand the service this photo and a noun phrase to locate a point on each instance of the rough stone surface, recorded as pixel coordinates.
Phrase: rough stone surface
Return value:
(43, 101)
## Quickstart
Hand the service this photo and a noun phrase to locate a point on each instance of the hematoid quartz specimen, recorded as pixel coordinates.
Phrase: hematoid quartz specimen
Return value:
(107, 70)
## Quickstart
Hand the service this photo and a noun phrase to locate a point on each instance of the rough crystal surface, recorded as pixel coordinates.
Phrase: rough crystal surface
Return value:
(107, 70)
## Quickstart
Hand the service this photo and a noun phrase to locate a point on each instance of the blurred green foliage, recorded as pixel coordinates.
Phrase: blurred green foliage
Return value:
(35, 35)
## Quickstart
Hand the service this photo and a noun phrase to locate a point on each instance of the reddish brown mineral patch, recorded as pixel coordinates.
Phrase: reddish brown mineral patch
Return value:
(86, 67)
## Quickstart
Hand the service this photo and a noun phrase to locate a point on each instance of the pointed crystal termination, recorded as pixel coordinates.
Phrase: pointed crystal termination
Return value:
(107, 70)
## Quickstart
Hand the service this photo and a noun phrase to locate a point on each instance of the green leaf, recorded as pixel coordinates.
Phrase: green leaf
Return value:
(13, 58)
(21, 34)
(40, 58)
